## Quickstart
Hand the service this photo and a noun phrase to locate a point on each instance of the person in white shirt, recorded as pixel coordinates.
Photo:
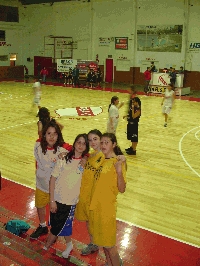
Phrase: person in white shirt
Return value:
(64, 188)
(167, 102)
(46, 152)
(37, 93)
(113, 114)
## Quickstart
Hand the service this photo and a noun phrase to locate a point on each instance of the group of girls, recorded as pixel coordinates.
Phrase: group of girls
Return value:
(81, 184)
(94, 77)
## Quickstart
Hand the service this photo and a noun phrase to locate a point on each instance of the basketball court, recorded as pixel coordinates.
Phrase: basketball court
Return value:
(162, 195)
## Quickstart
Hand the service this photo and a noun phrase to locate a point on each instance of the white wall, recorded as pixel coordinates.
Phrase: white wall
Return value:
(86, 22)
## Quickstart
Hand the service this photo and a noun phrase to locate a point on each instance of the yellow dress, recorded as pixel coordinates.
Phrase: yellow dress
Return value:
(82, 208)
(102, 216)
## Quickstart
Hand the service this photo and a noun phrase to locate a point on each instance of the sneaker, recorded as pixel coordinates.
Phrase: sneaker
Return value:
(39, 232)
(131, 152)
(67, 251)
(90, 248)
(129, 149)
(165, 124)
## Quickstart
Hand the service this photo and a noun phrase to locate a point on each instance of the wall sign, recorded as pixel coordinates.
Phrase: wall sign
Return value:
(121, 43)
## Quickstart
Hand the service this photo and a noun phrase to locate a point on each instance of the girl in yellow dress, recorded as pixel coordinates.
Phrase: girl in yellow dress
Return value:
(94, 161)
(110, 179)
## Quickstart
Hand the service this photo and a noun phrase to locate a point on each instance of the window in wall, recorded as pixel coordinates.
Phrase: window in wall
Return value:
(3, 57)
(9, 14)
(2, 35)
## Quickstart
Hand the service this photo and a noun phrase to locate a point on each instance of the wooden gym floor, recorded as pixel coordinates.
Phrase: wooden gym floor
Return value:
(163, 178)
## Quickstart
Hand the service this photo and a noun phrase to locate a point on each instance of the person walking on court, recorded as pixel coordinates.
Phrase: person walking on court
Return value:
(37, 93)
(167, 102)
(132, 127)
(113, 114)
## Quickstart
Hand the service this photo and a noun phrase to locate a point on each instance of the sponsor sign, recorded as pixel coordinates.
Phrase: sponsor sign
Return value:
(157, 89)
(194, 47)
(84, 66)
(121, 43)
(63, 65)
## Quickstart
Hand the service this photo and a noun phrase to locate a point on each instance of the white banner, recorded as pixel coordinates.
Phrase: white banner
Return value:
(162, 79)
(63, 65)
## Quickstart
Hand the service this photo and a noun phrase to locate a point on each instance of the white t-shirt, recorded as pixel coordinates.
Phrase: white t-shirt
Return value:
(68, 181)
(169, 97)
(45, 165)
(36, 84)
(37, 87)
(113, 111)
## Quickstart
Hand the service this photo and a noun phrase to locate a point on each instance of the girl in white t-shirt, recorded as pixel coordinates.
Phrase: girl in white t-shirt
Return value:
(167, 102)
(64, 189)
(46, 153)
(113, 114)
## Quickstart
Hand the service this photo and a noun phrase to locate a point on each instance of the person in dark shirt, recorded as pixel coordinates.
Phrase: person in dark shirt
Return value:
(99, 77)
(153, 67)
(69, 77)
(181, 71)
(132, 126)
(172, 77)
(75, 75)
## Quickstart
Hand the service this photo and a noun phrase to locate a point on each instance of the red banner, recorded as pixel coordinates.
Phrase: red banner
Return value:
(121, 43)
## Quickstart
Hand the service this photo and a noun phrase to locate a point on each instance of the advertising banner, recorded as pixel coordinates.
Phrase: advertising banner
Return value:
(194, 47)
(84, 65)
(162, 79)
(121, 43)
(63, 65)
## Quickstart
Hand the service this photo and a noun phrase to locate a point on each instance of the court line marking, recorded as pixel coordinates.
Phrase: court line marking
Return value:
(196, 135)
(181, 153)
(121, 220)
(158, 233)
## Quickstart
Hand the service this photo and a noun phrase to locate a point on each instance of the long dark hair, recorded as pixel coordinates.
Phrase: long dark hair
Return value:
(113, 138)
(44, 116)
(137, 100)
(60, 140)
(69, 156)
(95, 132)
(112, 101)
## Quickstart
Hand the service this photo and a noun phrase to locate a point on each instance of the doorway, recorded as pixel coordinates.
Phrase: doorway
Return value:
(109, 70)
